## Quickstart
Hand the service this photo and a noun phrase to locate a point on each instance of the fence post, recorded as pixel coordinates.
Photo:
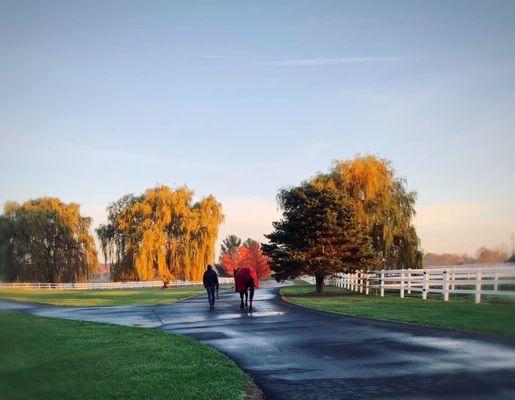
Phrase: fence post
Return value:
(409, 280)
(402, 284)
(445, 285)
(478, 286)
(424, 285)
(367, 284)
(361, 281)
(382, 283)
(496, 281)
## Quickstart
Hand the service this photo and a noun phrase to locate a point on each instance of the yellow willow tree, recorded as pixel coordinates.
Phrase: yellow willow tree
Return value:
(46, 239)
(161, 233)
(383, 206)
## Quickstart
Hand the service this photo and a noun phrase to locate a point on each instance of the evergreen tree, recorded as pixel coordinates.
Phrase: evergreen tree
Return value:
(230, 243)
(318, 235)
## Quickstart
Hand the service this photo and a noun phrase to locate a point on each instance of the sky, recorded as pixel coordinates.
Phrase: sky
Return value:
(241, 98)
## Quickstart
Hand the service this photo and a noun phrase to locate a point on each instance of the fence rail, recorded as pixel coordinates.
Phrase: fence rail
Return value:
(101, 285)
(498, 281)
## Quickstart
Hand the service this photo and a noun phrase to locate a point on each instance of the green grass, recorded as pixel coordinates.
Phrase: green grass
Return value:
(43, 358)
(461, 315)
(90, 298)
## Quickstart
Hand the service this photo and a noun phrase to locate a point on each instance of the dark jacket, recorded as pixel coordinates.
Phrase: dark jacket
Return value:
(210, 278)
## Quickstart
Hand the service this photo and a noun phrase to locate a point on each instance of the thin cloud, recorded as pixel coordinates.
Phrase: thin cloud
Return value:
(309, 62)
(318, 146)
(220, 57)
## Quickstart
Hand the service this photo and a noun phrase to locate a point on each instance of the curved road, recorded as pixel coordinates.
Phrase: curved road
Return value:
(295, 353)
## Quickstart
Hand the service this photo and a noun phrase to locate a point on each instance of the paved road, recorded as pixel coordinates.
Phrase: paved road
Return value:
(294, 353)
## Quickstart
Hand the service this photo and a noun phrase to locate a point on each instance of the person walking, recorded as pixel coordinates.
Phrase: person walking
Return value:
(210, 280)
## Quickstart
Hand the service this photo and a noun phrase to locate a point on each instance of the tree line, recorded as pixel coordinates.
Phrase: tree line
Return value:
(358, 215)
(483, 255)
(159, 234)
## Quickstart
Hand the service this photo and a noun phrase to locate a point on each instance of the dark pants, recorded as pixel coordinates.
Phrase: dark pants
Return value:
(211, 290)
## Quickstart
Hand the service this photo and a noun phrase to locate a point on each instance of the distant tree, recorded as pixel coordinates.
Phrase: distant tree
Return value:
(256, 259)
(486, 255)
(382, 205)
(319, 235)
(433, 259)
(220, 270)
(234, 259)
(250, 242)
(161, 233)
(249, 254)
(230, 243)
(46, 240)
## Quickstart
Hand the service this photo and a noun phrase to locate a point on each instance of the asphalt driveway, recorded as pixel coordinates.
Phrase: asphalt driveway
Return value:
(295, 353)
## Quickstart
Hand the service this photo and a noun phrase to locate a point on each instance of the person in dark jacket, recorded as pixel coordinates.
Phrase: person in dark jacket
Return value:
(210, 280)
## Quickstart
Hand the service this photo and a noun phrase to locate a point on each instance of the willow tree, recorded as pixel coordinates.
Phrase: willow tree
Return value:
(161, 233)
(383, 206)
(46, 240)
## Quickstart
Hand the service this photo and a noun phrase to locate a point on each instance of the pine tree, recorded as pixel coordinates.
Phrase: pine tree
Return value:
(318, 235)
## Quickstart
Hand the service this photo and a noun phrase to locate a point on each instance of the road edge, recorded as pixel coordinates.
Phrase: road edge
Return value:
(476, 335)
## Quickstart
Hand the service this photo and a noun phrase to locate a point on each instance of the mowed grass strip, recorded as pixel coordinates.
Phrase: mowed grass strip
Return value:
(43, 358)
(91, 298)
(462, 315)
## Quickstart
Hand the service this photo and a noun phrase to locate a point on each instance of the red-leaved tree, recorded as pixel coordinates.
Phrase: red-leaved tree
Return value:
(250, 255)
(233, 259)
(256, 259)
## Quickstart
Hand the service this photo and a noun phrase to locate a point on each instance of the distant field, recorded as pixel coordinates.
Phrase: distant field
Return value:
(90, 298)
(43, 358)
(462, 315)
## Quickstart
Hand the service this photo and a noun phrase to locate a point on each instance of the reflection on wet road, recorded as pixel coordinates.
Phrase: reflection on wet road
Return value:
(294, 353)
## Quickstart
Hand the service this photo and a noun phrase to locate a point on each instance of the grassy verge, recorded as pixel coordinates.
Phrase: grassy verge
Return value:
(42, 358)
(462, 315)
(90, 298)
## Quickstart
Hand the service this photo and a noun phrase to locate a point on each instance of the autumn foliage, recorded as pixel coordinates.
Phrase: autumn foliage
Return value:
(248, 254)
(46, 240)
(383, 206)
(162, 234)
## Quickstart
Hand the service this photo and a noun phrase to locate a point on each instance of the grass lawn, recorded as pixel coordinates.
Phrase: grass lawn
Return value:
(462, 315)
(43, 358)
(90, 298)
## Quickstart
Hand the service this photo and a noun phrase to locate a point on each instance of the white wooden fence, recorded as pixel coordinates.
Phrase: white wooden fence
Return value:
(102, 285)
(498, 281)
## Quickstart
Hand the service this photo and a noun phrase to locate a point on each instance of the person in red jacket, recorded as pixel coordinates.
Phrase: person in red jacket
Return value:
(245, 281)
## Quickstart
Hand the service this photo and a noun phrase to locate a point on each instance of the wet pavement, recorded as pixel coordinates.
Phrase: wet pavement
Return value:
(296, 353)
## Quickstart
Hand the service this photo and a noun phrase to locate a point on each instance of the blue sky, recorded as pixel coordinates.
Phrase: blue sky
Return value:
(238, 99)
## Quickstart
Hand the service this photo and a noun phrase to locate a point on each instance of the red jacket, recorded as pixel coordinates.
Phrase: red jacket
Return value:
(242, 276)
